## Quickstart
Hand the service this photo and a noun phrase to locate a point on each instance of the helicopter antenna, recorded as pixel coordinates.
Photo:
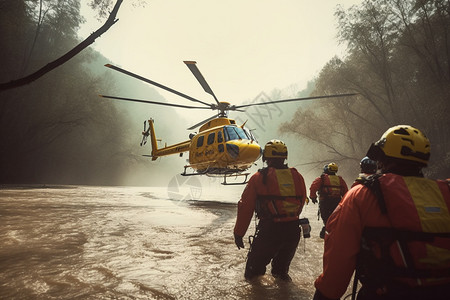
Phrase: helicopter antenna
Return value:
(193, 67)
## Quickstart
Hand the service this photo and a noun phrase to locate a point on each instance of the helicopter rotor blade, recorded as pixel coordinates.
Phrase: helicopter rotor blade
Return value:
(295, 99)
(234, 108)
(193, 67)
(202, 122)
(153, 102)
(155, 84)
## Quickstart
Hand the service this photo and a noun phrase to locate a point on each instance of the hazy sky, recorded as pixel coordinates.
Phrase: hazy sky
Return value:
(241, 47)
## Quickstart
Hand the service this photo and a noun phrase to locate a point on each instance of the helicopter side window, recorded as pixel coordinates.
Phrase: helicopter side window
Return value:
(225, 131)
(230, 134)
(211, 137)
(219, 136)
(200, 140)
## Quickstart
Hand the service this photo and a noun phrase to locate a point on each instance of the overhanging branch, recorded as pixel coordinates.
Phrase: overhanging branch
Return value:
(66, 57)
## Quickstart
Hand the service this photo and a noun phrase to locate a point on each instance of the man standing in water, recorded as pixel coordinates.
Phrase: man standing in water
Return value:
(277, 194)
(331, 189)
(394, 229)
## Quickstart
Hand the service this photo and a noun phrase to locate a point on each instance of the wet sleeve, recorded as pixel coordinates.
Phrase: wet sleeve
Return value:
(342, 243)
(315, 186)
(246, 207)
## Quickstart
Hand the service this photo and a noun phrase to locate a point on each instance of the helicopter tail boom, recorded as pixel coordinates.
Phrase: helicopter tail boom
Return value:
(168, 150)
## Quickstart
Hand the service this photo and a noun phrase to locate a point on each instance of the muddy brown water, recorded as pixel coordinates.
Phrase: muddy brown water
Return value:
(82, 242)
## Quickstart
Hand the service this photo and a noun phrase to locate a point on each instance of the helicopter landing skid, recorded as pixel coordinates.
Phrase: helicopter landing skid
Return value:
(235, 175)
(217, 173)
(193, 173)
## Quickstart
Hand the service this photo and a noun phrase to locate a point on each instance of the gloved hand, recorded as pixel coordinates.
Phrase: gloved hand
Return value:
(314, 200)
(238, 241)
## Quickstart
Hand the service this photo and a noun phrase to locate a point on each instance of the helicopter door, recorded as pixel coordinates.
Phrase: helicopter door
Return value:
(220, 146)
(210, 149)
(198, 155)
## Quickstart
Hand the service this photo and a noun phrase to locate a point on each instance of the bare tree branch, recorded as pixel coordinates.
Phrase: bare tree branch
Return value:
(66, 57)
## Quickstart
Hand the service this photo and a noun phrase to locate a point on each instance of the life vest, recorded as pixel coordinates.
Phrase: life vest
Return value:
(283, 202)
(331, 186)
(362, 177)
(415, 250)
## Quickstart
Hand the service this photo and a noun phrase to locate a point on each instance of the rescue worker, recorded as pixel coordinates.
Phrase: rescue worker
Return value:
(368, 167)
(331, 188)
(276, 194)
(394, 229)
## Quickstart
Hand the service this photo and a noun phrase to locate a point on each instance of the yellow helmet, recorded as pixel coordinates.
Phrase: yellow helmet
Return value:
(403, 142)
(275, 149)
(332, 167)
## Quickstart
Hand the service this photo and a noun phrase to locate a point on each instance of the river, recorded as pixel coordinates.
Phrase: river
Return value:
(85, 242)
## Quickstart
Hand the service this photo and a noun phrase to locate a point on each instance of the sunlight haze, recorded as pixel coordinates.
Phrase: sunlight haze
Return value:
(242, 48)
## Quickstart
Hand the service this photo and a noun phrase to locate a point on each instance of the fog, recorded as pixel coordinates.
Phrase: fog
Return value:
(242, 48)
(57, 129)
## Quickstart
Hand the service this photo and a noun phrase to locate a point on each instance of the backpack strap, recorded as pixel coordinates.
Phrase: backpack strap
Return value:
(384, 267)
(373, 184)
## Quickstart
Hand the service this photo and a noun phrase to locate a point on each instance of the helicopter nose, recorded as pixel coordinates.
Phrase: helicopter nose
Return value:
(244, 151)
(250, 152)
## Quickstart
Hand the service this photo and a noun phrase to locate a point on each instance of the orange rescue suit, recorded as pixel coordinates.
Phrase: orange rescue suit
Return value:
(413, 203)
(283, 193)
(328, 186)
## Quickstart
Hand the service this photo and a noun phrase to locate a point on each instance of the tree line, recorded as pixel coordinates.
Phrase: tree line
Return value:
(398, 60)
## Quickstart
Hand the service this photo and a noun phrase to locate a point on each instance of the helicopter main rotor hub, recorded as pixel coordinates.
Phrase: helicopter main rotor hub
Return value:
(223, 108)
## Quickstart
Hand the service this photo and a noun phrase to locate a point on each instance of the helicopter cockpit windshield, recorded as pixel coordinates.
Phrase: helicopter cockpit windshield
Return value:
(235, 133)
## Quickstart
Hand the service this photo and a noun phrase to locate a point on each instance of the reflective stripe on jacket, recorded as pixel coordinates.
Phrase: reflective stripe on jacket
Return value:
(281, 192)
(412, 203)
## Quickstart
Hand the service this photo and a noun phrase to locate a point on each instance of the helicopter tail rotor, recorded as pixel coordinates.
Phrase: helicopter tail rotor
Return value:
(145, 134)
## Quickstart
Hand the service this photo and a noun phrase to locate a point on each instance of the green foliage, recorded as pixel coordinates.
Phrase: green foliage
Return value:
(103, 7)
(398, 61)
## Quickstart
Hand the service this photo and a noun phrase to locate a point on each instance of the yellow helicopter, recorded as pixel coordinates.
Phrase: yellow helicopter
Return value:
(221, 147)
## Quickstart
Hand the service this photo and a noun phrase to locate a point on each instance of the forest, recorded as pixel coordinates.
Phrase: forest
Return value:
(56, 130)
(398, 61)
